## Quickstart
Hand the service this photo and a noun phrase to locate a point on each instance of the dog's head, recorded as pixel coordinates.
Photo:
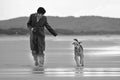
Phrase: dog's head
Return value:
(76, 43)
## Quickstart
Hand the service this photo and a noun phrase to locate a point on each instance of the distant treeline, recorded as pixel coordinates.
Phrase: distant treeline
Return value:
(22, 31)
(14, 31)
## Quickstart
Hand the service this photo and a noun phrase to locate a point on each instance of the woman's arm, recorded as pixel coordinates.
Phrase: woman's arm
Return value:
(49, 28)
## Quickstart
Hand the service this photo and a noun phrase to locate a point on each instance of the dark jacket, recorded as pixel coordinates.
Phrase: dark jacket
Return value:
(37, 36)
(32, 23)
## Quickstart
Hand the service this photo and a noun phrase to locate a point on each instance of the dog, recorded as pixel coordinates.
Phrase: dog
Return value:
(78, 52)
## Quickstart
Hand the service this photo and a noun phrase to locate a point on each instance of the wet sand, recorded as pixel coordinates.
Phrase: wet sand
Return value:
(102, 59)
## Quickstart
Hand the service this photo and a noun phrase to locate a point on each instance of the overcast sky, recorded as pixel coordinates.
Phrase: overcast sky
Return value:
(18, 8)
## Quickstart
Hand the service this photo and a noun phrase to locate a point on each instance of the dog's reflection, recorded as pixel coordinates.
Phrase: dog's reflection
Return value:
(79, 70)
(38, 70)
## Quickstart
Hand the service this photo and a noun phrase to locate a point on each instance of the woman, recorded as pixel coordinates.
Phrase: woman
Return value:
(36, 24)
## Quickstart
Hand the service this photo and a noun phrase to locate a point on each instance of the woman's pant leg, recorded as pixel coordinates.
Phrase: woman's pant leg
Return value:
(41, 58)
(34, 54)
(41, 49)
(33, 46)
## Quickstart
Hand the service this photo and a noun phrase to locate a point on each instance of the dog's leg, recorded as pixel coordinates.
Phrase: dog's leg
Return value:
(82, 60)
(77, 60)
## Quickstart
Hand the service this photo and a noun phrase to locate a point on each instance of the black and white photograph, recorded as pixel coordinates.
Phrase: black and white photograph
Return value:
(59, 39)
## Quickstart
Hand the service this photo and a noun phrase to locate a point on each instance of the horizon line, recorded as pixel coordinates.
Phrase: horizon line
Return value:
(64, 16)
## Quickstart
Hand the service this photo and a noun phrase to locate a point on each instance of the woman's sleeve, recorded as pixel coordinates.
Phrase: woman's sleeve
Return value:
(49, 28)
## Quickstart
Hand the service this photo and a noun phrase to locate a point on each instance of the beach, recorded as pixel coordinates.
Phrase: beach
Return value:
(101, 59)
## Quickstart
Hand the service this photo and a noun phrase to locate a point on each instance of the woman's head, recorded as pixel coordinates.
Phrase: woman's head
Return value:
(41, 10)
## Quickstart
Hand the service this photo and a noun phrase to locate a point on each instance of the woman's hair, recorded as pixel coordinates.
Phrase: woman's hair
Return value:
(41, 10)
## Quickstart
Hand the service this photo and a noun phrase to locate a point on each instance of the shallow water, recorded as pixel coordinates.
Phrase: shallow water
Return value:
(101, 56)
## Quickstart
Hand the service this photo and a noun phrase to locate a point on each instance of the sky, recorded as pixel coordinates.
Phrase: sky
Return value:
(20, 8)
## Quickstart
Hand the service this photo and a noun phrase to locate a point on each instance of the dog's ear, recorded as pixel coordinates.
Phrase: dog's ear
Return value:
(80, 42)
(76, 40)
